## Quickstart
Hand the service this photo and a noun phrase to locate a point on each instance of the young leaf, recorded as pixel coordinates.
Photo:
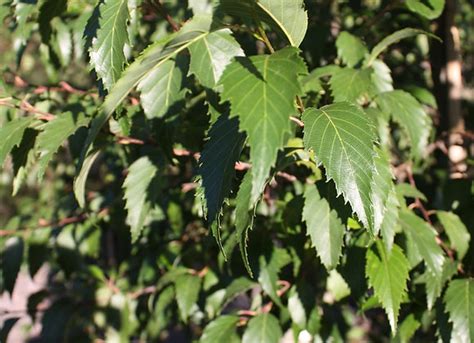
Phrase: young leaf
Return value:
(222, 329)
(286, 16)
(409, 114)
(349, 84)
(424, 238)
(388, 275)
(342, 138)
(106, 54)
(324, 227)
(459, 300)
(54, 134)
(161, 89)
(217, 163)
(263, 328)
(187, 292)
(212, 54)
(137, 194)
(11, 135)
(254, 86)
(391, 39)
(457, 232)
(350, 49)
(430, 9)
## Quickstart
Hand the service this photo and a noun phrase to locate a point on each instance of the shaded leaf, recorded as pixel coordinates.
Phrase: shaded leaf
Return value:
(12, 257)
(263, 328)
(187, 287)
(222, 329)
(459, 300)
(350, 49)
(48, 11)
(11, 135)
(430, 9)
(457, 232)
(349, 84)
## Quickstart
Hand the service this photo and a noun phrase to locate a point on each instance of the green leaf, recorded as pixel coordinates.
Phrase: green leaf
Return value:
(263, 328)
(269, 268)
(287, 17)
(409, 191)
(408, 328)
(387, 273)
(254, 86)
(394, 38)
(212, 54)
(350, 49)
(337, 286)
(430, 9)
(54, 133)
(187, 287)
(138, 193)
(434, 284)
(12, 257)
(424, 238)
(11, 135)
(384, 199)
(222, 329)
(23, 158)
(349, 84)
(381, 77)
(161, 89)
(324, 227)
(457, 232)
(342, 138)
(106, 54)
(236, 287)
(459, 300)
(81, 178)
(410, 115)
(296, 307)
(48, 11)
(217, 163)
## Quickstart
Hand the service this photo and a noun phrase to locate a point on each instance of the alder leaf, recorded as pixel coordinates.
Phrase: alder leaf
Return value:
(106, 54)
(54, 133)
(410, 115)
(212, 54)
(261, 91)
(287, 17)
(342, 137)
(263, 328)
(324, 227)
(162, 88)
(457, 232)
(350, 49)
(424, 238)
(459, 300)
(349, 84)
(222, 329)
(387, 273)
(217, 163)
(187, 287)
(11, 135)
(138, 193)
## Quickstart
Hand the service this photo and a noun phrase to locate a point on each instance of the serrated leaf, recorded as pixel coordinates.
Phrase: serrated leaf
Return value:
(430, 9)
(407, 329)
(11, 135)
(54, 133)
(161, 89)
(187, 287)
(387, 273)
(424, 238)
(254, 87)
(459, 300)
(217, 163)
(383, 197)
(434, 284)
(212, 54)
(337, 286)
(236, 287)
(457, 232)
(349, 84)
(12, 257)
(394, 38)
(410, 115)
(269, 268)
(138, 193)
(106, 54)
(381, 77)
(263, 328)
(350, 49)
(23, 158)
(153, 57)
(222, 329)
(243, 217)
(286, 16)
(324, 227)
(48, 11)
(342, 138)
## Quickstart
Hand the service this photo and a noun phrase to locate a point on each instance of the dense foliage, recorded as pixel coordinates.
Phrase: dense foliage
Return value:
(230, 170)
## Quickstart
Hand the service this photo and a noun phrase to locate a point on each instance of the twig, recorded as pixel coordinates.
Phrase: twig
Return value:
(161, 9)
